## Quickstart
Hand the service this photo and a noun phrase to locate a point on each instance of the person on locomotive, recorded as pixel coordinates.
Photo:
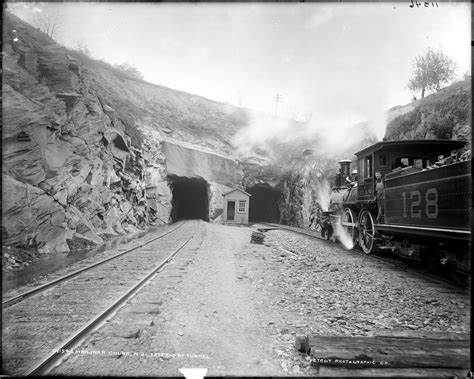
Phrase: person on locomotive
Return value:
(351, 180)
(379, 195)
(465, 155)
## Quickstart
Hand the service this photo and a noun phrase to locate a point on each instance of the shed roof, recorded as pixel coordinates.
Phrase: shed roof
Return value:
(237, 189)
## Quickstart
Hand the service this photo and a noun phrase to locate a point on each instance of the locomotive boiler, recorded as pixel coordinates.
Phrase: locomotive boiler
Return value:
(419, 209)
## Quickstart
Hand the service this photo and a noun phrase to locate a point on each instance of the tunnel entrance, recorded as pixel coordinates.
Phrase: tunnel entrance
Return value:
(190, 198)
(264, 204)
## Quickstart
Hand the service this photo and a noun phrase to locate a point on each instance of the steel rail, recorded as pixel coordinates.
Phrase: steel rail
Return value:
(397, 263)
(19, 298)
(308, 233)
(53, 358)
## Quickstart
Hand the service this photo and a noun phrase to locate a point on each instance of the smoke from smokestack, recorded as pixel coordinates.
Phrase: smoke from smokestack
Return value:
(327, 136)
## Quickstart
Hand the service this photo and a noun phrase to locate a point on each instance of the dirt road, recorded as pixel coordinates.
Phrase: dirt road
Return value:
(207, 316)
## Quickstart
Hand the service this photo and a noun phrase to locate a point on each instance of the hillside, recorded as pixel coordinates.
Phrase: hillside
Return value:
(442, 115)
(177, 114)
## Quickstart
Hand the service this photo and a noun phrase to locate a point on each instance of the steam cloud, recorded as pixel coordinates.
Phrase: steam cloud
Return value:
(326, 135)
(343, 236)
(323, 193)
(323, 199)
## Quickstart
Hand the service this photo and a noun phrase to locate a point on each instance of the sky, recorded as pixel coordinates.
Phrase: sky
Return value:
(333, 63)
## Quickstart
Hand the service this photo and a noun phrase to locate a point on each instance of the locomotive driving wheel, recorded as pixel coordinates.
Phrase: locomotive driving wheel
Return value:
(348, 223)
(366, 231)
(460, 273)
(324, 233)
(461, 278)
(429, 260)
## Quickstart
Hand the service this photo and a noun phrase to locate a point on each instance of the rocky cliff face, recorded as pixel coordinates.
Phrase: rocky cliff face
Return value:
(83, 150)
(309, 182)
(66, 175)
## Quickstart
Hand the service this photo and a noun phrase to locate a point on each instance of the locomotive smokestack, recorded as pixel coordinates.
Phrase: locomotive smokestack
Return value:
(343, 172)
(345, 168)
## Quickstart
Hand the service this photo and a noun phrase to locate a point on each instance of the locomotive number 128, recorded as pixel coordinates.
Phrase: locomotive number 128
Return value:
(414, 200)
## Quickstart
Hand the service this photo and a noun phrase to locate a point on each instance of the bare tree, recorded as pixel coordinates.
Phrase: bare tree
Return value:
(48, 24)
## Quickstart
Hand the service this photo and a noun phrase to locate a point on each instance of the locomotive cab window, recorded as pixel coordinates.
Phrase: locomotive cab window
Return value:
(365, 168)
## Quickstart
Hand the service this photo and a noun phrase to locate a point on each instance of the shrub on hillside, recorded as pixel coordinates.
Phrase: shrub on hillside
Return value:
(130, 70)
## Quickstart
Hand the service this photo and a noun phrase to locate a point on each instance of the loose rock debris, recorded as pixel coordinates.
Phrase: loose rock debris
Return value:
(257, 237)
(321, 290)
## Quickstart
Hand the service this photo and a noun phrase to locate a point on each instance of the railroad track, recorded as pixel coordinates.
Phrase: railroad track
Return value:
(400, 265)
(39, 326)
(26, 294)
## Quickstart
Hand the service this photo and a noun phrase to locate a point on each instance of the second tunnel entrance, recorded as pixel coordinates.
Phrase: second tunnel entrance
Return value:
(190, 198)
(264, 204)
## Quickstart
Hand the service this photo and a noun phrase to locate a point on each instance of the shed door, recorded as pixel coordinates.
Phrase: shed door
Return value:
(230, 210)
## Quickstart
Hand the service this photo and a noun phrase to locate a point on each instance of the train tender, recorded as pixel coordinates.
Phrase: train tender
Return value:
(419, 208)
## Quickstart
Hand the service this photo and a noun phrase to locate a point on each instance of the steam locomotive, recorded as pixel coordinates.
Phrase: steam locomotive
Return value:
(422, 211)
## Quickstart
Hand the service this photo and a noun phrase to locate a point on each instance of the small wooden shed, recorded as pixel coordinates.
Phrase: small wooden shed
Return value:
(236, 207)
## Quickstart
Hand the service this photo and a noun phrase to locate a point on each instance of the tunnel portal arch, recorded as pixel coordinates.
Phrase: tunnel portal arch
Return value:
(190, 198)
(264, 204)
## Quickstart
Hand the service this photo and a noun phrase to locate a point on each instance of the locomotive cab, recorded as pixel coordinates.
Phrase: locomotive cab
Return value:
(398, 156)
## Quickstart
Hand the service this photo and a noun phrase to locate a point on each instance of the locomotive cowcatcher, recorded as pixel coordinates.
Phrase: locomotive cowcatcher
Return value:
(422, 208)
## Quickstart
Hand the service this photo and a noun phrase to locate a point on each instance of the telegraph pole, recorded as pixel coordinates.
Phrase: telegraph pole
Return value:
(277, 98)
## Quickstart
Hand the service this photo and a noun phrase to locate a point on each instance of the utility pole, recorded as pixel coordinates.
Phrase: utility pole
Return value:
(277, 98)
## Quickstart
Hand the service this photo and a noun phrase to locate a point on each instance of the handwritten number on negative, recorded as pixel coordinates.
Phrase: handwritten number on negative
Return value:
(426, 4)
